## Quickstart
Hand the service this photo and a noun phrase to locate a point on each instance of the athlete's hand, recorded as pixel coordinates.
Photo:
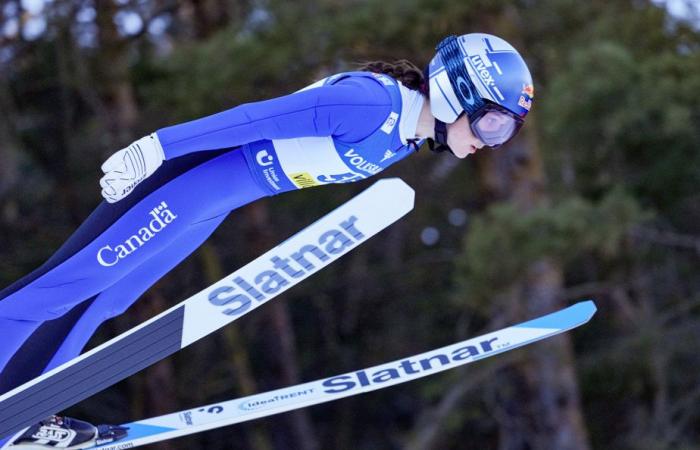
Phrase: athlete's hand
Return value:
(125, 169)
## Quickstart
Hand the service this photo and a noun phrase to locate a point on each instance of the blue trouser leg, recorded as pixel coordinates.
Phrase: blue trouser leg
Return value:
(117, 298)
(143, 231)
(13, 333)
(110, 303)
(61, 308)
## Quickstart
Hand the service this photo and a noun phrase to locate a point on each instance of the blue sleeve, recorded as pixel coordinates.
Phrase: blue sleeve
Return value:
(350, 110)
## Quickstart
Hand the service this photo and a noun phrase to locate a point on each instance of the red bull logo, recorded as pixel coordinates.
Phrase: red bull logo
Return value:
(525, 102)
(527, 94)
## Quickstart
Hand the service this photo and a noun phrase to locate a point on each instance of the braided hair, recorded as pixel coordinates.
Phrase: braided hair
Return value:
(402, 70)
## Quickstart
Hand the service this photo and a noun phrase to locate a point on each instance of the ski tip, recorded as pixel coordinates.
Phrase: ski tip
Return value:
(566, 318)
(397, 187)
(587, 308)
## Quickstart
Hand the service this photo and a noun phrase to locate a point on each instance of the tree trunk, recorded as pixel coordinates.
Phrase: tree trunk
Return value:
(539, 403)
(113, 69)
(541, 407)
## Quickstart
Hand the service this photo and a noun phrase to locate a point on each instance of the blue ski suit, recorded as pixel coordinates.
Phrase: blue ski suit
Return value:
(344, 128)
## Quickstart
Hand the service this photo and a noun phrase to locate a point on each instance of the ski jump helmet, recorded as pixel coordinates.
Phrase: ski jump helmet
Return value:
(486, 78)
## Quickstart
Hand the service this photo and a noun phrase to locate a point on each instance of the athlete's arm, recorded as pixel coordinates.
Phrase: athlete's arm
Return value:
(351, 110)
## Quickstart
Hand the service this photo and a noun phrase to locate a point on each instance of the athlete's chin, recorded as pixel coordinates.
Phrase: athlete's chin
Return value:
(463, 153)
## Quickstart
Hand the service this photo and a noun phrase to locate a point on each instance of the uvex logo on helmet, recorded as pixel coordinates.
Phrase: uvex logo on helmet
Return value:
(161, 217)
(481, 70)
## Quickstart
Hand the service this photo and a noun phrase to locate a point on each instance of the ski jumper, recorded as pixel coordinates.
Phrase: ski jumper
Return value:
(340, 129)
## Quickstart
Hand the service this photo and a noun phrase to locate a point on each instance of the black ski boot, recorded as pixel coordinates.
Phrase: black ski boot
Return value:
(65, 433)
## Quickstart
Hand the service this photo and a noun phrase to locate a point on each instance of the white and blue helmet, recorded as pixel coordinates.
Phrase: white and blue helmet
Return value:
(486, 78)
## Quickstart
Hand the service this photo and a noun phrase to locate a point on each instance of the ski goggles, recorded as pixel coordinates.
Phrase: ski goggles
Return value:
(493, 124)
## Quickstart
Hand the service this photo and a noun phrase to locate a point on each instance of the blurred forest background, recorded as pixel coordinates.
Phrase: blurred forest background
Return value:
(597, 198)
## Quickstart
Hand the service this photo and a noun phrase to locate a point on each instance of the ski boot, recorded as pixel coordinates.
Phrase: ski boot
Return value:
(65, 433)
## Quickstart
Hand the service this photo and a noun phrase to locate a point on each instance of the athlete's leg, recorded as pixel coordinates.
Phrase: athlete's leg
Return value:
(106, 214)
(14, 331)
(143, 231)
(120, 296)
(58, 341)
(203, 193)
(36, 348)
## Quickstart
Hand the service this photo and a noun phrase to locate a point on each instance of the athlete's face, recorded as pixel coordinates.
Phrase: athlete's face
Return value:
(461, 139)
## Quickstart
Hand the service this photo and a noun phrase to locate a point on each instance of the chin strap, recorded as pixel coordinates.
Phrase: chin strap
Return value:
(439, 144)
(413, 143)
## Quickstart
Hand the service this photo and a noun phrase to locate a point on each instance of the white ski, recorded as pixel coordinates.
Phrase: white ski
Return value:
(328, 389)
(295, 259)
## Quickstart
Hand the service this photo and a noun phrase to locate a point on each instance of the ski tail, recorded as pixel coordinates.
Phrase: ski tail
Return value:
(353, 383)
(295, 259)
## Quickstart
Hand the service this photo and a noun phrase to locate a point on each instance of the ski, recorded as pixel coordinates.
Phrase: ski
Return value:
(292, 261)
(219, 415)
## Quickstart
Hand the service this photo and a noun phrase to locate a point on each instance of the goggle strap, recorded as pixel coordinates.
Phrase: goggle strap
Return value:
(440, 132)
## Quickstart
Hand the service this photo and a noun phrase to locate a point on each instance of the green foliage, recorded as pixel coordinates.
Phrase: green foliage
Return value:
(503, 241)
(626, 116)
